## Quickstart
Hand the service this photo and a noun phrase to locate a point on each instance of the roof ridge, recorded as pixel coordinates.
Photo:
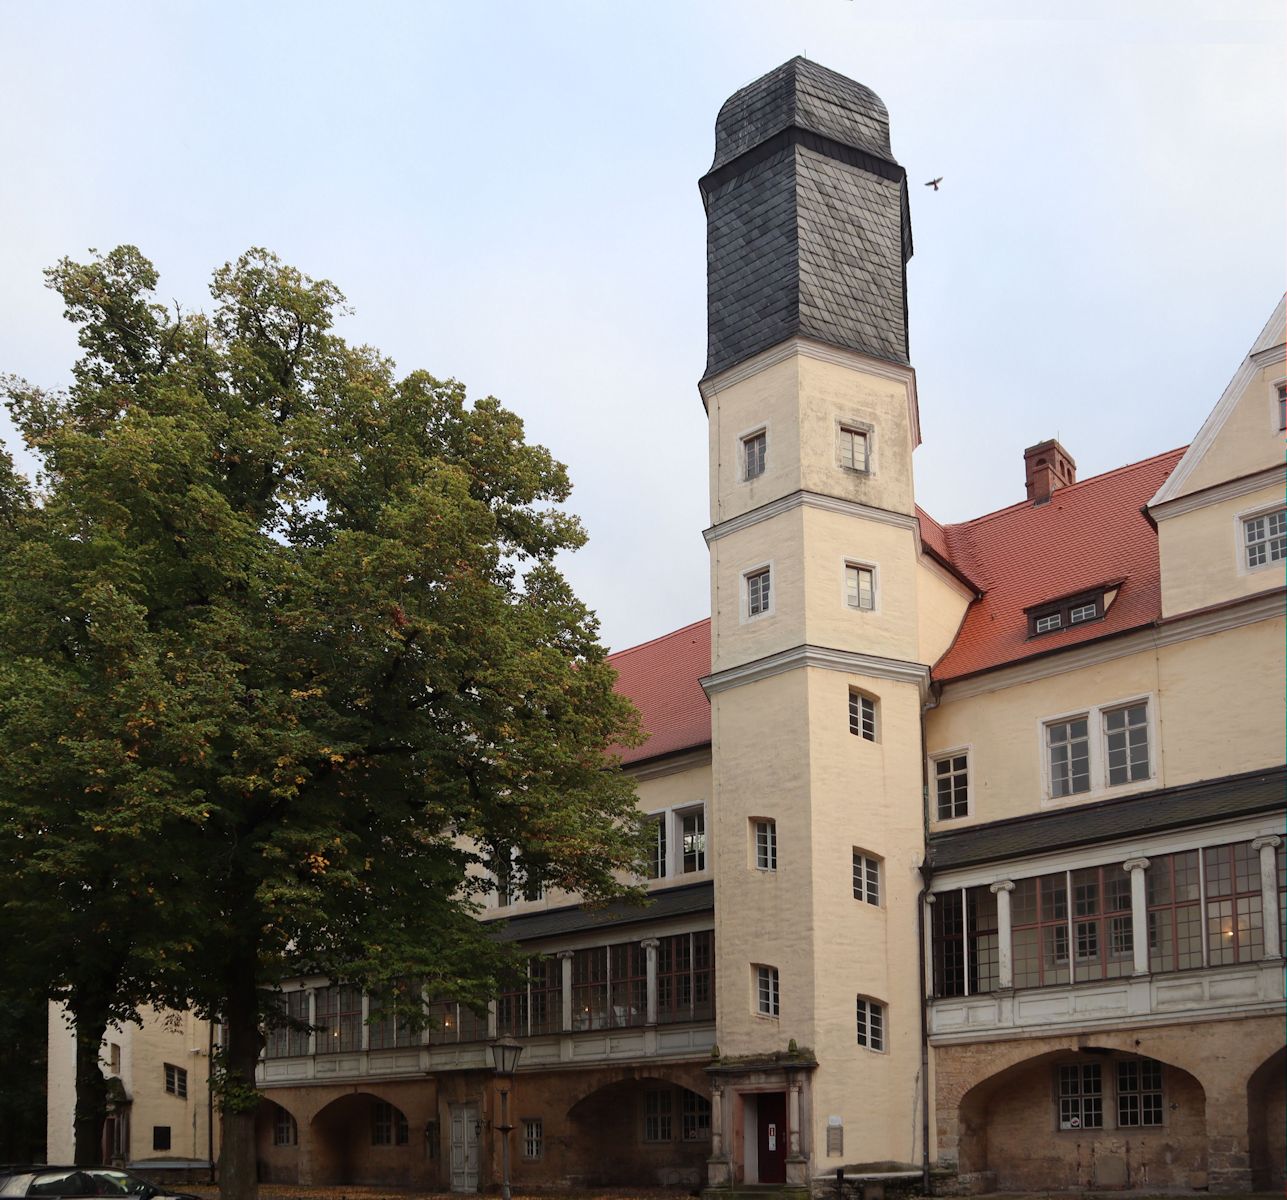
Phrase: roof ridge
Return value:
(1019, 504)
(661, 637)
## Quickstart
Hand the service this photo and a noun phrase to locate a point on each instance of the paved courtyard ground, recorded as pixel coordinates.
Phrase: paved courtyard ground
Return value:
(272, 1191)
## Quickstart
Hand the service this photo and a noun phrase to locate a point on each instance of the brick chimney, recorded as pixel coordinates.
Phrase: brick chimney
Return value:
(1047, 467)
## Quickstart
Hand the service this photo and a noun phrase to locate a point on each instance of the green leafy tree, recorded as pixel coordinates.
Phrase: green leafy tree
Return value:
(284, 643)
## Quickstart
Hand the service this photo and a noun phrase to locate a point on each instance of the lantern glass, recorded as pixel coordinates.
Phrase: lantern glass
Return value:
(505, 1054)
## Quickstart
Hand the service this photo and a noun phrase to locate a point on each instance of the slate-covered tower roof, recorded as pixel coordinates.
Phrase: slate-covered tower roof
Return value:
(808, 230)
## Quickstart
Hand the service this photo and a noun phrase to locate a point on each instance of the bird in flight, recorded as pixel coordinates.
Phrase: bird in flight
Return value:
(934, 183)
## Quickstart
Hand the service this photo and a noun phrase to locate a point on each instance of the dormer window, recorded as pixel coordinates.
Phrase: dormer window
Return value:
(1060, 614)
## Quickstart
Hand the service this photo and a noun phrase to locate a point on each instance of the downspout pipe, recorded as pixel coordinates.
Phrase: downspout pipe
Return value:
(927, 872)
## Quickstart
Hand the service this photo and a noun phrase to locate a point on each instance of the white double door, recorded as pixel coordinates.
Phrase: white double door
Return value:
(464, 1147)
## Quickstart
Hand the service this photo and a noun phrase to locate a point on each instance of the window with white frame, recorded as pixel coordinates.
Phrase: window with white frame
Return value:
(1281, 406)
(657, 847)
(860, 586)
(766, 991)
(676, 842)
(1081, 1096)
(1265, 538)
(695, 1117)
(285, 1131)
(1203, 907)
(759, 598)
(658, 1115)
(533, 1137)
(176, 1081)
(855, 447)
(514, 881)
(766, 843)
(871, 1023)
(952, 786)
(1126, 740)
(692, 832)
(1068, 748)
(754, 448)
(866, 877)
(1139, 1092)
(388, 1125)
(1105, 747)
(862, 715)
(1071, 610)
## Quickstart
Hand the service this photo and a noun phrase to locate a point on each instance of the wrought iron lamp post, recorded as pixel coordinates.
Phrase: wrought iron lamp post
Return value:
(505, 1055)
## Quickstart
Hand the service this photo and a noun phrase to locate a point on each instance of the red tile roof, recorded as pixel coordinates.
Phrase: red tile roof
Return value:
(1086, 535)
(661, 678)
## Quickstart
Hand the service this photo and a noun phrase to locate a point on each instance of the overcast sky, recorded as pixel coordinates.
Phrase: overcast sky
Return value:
(507, 194)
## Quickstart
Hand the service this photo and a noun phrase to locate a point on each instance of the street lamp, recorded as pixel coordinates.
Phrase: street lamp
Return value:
(505, 1054)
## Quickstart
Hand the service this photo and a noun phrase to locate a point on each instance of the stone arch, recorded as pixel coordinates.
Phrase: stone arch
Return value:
(658, 1123)
(278, 1161)
(1267, 1120)
(1009, 1135)
(345, 1149)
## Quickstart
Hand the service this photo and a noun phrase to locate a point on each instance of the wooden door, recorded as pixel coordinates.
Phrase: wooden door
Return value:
(464, 1147)
(772, 1136)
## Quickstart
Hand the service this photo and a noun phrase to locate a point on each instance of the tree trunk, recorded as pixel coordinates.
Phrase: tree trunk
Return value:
(238, 1173)
(90, 1023)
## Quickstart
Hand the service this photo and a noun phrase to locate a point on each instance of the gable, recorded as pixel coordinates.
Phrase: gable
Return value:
(1241, 437)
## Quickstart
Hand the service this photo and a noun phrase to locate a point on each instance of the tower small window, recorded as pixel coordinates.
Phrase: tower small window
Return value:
(866, 878)
(860, 587)
(1282, 406)
(754, 450)
(766, 844)
(854, 448)
(766, 991)
(862, 715)
(871, 1024)
(758, 595)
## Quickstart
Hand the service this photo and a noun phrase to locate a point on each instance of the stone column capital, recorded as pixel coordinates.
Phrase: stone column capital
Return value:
(565, 955)
(1271, 839)
(650, 943)
(930, 897)
(1002, 885)
(1135, 864)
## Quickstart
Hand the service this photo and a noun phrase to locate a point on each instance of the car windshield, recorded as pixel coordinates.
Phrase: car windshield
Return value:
(61, 1183)
(118, 1183)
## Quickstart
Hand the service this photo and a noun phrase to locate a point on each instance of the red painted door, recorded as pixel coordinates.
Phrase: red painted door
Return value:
(771, 1107)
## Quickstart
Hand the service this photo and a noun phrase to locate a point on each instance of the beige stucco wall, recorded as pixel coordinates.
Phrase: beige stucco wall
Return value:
(1249, 439)
(800, 404)
(940, 608)
(735, 637)
(1203, 558)
(831, 541)
(681, 789)
(1215, 702)
(867, 796)
(162, 1037)
(762, 770)
(787, 754)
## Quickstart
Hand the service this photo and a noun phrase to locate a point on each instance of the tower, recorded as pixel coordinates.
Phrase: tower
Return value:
(822, 626)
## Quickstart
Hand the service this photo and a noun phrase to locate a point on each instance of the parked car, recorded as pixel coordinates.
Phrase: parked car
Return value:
(49, 1182)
